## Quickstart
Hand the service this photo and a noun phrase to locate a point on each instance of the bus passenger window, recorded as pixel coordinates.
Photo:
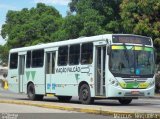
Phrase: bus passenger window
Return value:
(28, 63)
(87, 53)
(13, 60)
(37, 58)
(63, 55)
(74, 54)
(50, 62)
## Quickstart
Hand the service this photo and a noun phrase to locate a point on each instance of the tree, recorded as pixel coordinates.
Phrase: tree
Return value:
(3, 54)
(30, 27)
(94, 17)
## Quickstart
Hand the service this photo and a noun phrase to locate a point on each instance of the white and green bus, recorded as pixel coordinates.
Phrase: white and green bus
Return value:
(111, 66)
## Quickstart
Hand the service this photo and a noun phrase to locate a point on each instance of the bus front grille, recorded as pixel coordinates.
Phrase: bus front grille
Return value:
(139, 80)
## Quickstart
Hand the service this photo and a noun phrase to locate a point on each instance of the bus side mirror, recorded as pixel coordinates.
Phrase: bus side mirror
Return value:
(155, 56)
(156, 61)
(109, 50)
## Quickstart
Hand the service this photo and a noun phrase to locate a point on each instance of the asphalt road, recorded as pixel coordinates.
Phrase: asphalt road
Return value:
(148, 105)
(16, 111)
(139, 105)
(14, 108)
(52, 116)
(13, 111)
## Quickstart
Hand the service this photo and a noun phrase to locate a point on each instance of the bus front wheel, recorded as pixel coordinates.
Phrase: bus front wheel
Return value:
(31, 93)
(125, 101)
(85, 95)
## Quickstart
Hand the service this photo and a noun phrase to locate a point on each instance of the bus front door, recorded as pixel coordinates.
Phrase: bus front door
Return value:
(21, 72)
(50, 71)
(100, 70)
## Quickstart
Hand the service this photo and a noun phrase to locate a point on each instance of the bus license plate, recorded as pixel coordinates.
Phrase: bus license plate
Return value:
(134, 92)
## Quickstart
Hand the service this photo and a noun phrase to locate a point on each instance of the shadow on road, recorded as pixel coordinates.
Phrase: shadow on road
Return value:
(4, 94)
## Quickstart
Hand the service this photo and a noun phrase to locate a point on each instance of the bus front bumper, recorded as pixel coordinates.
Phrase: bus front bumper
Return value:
(113, 91)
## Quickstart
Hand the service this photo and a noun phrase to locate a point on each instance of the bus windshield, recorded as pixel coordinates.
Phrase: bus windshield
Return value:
(132, 61)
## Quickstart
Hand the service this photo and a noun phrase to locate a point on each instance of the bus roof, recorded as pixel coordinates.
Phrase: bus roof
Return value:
(67, 42)
(62, 43)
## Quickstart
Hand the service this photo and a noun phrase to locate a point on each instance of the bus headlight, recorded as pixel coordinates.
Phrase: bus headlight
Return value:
(152, 83)
(114, 82)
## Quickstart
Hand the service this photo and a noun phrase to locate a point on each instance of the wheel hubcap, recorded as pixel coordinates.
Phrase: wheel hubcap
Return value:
(31, 91)
(85, 94)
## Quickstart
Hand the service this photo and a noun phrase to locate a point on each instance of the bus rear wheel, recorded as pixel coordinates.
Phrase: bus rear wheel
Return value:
(64, 98)
(31, 93)
(85, 95)
(125, 101)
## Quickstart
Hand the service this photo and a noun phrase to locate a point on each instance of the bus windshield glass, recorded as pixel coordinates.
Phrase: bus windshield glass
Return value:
(133, 61)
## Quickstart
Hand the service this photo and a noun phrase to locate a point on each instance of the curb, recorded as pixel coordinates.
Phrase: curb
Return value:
(158, 97)
(83, 110)
(52, 106)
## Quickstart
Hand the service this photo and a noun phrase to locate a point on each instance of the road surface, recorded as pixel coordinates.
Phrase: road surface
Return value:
(16, 111)
(13, 111)
(14, 108)
(150, 106)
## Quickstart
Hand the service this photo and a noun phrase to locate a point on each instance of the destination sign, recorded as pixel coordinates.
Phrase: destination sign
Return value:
(131, 39)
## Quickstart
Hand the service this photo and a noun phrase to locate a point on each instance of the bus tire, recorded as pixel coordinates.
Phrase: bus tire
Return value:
(125, 101)
(64, 98)
(85, 95)
(31, 93)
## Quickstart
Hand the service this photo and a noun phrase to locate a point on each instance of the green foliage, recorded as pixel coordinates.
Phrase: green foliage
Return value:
(30, 27)
(95, 17)
(141, 17)
(86, 24)
(3, 54)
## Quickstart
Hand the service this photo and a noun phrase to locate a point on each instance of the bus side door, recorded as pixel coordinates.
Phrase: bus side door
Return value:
(50, 71)
(21, 69)
(100, 62)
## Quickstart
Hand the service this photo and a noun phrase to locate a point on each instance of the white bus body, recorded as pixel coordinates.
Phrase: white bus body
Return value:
(58, 68)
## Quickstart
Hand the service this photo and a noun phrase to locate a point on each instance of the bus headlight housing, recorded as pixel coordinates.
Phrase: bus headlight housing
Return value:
(152, 83)
(114, 82)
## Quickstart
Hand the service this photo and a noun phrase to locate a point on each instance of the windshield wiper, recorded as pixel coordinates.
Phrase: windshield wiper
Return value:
(127, 58)
(125, 52)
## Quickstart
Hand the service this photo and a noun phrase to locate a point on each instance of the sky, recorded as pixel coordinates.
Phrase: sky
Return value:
(5, 5)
